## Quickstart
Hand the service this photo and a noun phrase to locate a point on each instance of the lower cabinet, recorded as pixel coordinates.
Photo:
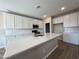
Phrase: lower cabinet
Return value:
(39, 52)
(48, 47)
(72, 38)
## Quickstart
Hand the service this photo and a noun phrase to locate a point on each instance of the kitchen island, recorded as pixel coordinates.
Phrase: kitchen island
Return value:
(31, 47)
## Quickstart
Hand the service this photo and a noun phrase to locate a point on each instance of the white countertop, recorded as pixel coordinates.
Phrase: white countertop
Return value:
(20, 44)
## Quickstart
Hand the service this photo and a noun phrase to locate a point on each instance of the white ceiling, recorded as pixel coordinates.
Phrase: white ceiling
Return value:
(48, 7)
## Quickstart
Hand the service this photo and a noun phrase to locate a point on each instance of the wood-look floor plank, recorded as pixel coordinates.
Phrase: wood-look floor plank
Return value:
(65, 51)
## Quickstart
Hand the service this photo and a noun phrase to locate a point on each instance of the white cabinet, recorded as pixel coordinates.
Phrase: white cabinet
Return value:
(49, 46)
(30, 24)
(24, 23)
(27, 22)
(73, 19)
(35, 22)
(71, 38)
(41, 24)
(38, 22)
(18, 22)
(70, 20)
(6, 21)
(2, 25)
(58, 20)
(66, 21)
(9, 21)
(55, 20)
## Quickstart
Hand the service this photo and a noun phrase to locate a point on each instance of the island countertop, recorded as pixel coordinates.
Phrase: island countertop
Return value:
(18, 45)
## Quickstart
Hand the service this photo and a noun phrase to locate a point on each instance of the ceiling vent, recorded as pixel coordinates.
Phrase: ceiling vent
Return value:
(38, 7)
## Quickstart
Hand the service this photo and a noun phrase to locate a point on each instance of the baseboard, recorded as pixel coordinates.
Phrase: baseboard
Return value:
(71, 43)
(50, 52)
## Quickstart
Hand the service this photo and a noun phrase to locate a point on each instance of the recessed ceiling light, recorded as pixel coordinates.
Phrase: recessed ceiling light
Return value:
(44, 16)
(63, 8)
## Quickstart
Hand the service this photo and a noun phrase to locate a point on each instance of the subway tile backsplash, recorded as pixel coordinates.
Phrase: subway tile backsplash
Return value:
(2, 39)
(71, 29)
(9, 35)
(18, 32)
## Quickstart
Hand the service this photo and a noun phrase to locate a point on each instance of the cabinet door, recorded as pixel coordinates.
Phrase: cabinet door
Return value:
(18, 22)
(60, 19)
(35, 22)
(2, 24)
(24, 23)
(66, 20)
(30, 23)
(73, 19)
(27, 23)
(9, 21)
(70, 20)
(48, 46)
(71, 38)
(55, 20)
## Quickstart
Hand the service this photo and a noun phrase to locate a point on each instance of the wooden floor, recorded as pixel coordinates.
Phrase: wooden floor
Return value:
(2, 51)
(65, 51)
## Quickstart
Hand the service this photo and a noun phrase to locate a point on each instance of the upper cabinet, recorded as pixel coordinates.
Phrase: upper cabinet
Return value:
(26, 23)
(66, 20)
(18, 22)
(38, 22)
(9, 20)
(73, 19)
(55, 20)
(70, 20)
(2, 25)
(41, 24)
(58, 20)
